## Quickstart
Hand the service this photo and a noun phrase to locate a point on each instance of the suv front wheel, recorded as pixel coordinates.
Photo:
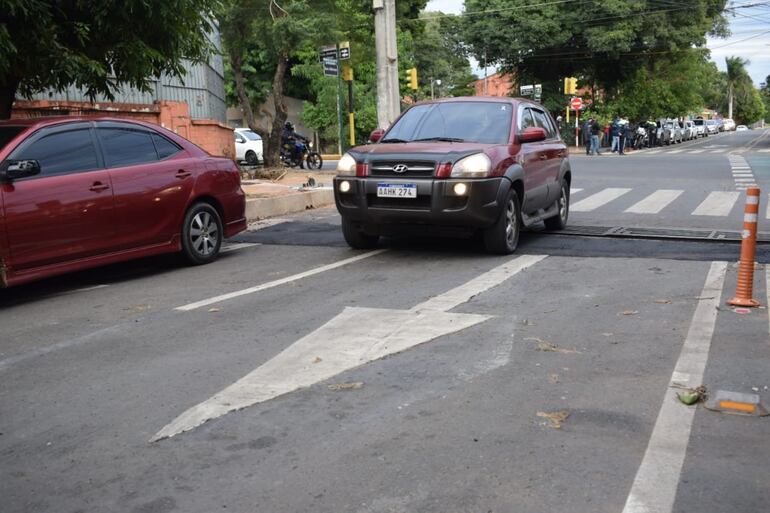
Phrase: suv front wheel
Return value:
(503, 236)
(355, 238)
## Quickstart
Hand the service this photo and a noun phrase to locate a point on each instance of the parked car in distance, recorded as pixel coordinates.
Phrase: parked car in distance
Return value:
(248, 146)
(712, 127)
(741, 128)
(728, 124)
(700, 125)
(82, 192)
(675, 130)
(688, 130)
(456, 167)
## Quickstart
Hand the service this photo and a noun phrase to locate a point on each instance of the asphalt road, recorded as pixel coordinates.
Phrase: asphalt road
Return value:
(424, 376)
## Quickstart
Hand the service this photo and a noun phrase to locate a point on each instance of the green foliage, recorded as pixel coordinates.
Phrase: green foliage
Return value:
(602, 42)
(748, 104)
(98, 45)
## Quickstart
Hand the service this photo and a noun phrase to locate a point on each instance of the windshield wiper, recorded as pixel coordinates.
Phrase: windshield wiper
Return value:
(442, 139)
(393, 140)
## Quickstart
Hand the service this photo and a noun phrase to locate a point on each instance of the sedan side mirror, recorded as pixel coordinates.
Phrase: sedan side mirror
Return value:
(532, 134)
(14, 169)
(376, 135)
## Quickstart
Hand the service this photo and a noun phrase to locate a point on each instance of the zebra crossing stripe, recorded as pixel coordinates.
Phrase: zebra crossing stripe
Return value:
(574, 191)
(717, 203)
(600, 198)
(675, 151)
(655, 202)
(696, 151)
(767, 216)
(717, 151)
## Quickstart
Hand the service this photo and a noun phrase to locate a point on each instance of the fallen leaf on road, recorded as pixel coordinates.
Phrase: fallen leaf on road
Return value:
(345, 386)
(527, 322)
(607, 334)
(629, 312)
(553, 378)
(663, 301)
(693, 395)
(545, 346)
(215, 310)
(556, 418)
(317, 359)
(138, 308)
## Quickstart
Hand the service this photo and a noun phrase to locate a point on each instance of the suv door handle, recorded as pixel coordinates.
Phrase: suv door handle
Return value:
(182, 173)
(98, 187)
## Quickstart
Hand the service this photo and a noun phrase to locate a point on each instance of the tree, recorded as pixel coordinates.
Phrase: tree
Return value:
(764, 91)
(604, 43)
(736, 78)
(98, 46)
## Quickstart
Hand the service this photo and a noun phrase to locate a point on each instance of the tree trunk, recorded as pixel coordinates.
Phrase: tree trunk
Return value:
(273, 151)
(7, 96)
(730, 101)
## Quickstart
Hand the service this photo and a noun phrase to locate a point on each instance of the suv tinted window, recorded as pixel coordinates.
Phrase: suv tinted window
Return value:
(62, 152)
(541, 119)
(525, 119)
(124, 147)
(165, 147)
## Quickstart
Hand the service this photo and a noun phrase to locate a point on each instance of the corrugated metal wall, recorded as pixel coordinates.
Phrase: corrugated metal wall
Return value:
(203, 88)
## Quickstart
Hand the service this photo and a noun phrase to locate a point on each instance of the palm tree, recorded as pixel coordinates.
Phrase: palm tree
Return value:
(736, 73)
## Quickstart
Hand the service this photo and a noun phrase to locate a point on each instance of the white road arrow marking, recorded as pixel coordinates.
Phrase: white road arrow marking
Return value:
(353, 338)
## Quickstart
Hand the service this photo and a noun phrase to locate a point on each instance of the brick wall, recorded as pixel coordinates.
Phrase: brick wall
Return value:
(213, 136)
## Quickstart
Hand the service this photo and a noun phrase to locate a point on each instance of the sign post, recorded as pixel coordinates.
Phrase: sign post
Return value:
(577, 104)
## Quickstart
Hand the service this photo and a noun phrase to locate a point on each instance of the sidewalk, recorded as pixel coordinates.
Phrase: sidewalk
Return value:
(266, 198)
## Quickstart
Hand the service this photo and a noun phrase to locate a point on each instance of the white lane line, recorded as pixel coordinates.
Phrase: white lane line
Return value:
(767, 216)
(574, 191)
(717, 151)
(717, 203)
(653, 152)
(767, 150)
(672, 152)
(655, 202)
(353, 338)
(656, 481)
(239, 245)
(275, 283)
(696, 151)
(597, 200)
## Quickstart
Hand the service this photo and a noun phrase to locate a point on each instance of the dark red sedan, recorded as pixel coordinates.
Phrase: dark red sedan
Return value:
(76, 193)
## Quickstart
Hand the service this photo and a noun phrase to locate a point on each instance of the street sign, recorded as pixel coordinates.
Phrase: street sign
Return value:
(330, 68)
(344, 50)
(328, 52)
(576, 103)
(526, 90)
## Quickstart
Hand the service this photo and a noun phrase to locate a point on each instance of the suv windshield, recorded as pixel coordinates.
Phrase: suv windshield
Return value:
(478, 122)
(7, 133)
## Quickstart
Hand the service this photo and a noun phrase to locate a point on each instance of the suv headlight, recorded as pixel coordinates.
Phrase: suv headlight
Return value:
(473, 166)
(346, 165)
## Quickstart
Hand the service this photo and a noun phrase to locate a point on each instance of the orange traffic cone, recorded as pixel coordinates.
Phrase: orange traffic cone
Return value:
(744, 288)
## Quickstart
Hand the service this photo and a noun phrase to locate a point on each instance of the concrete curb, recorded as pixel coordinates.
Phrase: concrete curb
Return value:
(260, 208)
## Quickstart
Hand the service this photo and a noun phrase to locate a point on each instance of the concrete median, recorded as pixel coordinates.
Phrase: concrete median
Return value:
(261, 208)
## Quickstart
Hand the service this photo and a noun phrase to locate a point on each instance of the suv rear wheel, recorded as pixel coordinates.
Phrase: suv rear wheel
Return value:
(503, 236)
(355, 238)
(559, 221)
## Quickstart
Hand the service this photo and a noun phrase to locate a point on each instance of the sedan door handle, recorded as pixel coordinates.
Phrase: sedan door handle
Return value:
(98, 187)
(182, 173)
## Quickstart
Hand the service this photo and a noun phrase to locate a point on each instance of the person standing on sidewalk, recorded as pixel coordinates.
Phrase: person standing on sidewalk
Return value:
(622, 128)
(614, 134)
(586, 130)
(596, 130)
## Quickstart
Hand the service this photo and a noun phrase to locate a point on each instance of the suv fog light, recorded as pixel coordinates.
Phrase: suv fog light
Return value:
(344, 186)
(460, 189)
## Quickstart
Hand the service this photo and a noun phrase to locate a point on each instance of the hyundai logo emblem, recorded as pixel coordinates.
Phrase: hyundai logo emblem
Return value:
(400, 168)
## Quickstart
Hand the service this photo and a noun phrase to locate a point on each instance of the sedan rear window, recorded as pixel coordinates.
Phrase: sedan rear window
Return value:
(479, 122)
(7, 133)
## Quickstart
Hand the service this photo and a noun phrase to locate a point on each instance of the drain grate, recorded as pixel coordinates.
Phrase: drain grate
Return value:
(658, 233)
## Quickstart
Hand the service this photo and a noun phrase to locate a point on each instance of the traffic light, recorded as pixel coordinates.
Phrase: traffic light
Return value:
(570, 85)
(411, 78)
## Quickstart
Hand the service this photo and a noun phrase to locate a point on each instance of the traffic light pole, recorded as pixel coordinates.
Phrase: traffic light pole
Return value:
(339, 103)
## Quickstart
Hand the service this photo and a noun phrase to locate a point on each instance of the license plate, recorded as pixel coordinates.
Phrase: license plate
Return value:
(402, 190)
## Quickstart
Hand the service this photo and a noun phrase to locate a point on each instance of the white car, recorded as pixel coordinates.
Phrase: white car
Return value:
(729, 124)
(741, 128)
(700, 128)
(712, 128)
(248, 146)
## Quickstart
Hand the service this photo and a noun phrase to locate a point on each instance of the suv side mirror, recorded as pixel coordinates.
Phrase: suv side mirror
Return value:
(532, 134)
(14, 169)
(376, 135)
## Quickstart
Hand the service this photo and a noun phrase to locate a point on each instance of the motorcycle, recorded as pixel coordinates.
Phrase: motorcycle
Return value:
(299, 152)
(640, 138)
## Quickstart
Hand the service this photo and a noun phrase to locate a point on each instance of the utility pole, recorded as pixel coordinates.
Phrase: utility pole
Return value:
(388, 96)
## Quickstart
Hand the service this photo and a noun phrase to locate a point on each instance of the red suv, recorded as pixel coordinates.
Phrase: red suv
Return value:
(455, 167)
(80, 192)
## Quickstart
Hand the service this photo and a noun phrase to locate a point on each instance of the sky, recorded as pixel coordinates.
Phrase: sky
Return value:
(750, 36)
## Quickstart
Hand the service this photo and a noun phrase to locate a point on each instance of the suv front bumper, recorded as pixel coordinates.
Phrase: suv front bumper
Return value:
(436, 203)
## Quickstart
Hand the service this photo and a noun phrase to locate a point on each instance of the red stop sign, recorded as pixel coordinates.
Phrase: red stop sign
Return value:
(576, 103)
